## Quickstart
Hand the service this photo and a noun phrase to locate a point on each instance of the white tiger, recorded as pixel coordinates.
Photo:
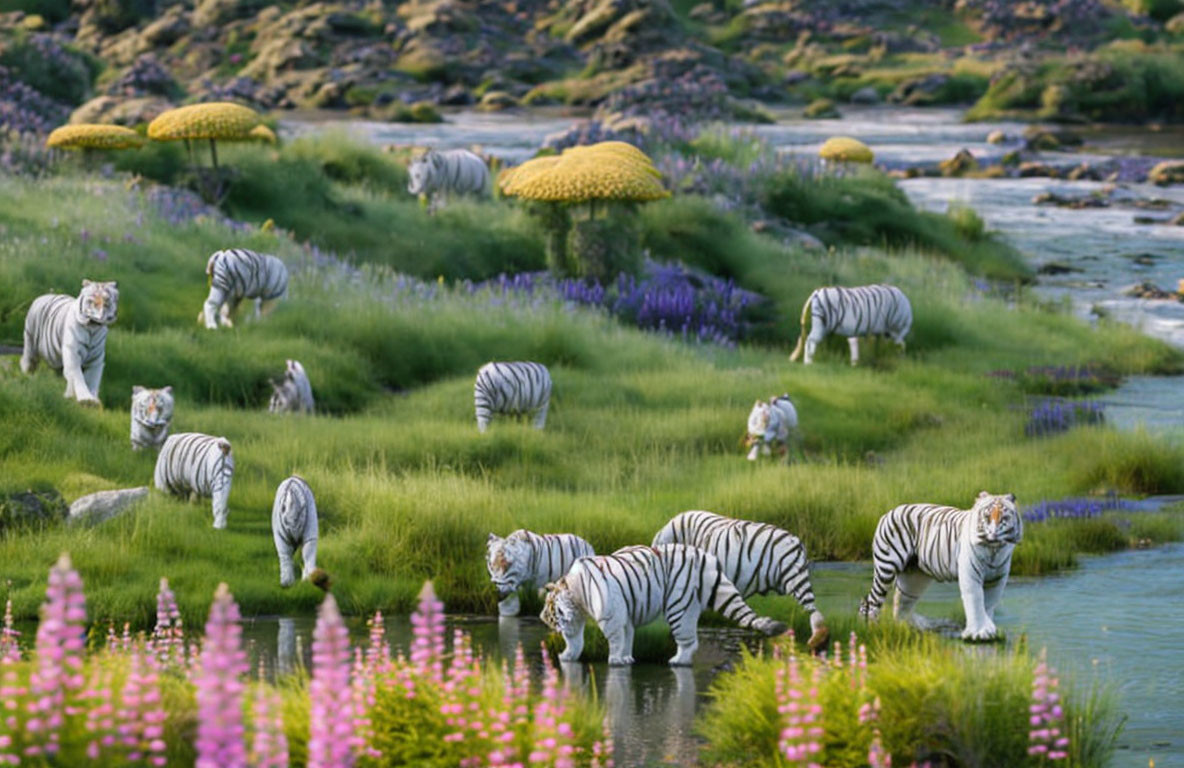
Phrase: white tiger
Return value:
(756, 557)
(152, 413)
(70, 334)
(867, 310)
(192, 464)
(293, 393)
(451, 172)
(294, 526)
(525, 559)
(236, 274)
(772, 422)
(635, 585)
(916, 544)
(512, 388)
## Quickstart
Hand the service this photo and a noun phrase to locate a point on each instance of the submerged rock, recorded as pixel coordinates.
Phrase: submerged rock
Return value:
(821, 109)
(99, 507)
(959, 165)
(1146, 290)
(1071, 201)
(866, 95)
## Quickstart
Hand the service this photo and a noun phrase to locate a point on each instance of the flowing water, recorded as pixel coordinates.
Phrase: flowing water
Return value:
(1118, 619)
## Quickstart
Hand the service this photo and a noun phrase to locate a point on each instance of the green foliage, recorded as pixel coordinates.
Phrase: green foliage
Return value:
(52, 11)
(602, 247)
(66, 77)
(1160, 10)
(967, 223)
(24, 510)
(160, 161)
(937, 703)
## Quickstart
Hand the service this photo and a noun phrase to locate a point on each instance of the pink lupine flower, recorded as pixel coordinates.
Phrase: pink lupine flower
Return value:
(800, 707)
(220, 687)
(1045, 738)
(141, 713)
(9, 638)
(58, 652)
(11, 691)
(269, 748)
(427, 649)
(168, 636)
(100, 723)
(330, 740)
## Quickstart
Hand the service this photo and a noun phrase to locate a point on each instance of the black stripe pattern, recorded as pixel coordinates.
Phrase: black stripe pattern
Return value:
(513, 389)
(633, 586)
(152, 413)
(193, 464)
(526, 559)
(70, 334)
(236, 274)
(868, 310)
(294, 526)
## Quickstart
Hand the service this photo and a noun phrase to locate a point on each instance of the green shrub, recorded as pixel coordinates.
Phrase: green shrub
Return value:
(60, 72)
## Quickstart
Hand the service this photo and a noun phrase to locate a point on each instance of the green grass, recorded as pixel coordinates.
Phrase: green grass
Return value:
(640, 429)
(937, 703)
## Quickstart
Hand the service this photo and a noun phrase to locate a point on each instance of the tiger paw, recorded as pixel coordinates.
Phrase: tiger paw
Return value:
(818, 638)
(987, 631)
(620, 661)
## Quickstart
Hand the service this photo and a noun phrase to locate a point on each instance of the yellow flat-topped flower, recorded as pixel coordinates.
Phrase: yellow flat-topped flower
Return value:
(218, 120)
(93, 136)
(262, 133)
(845, 149)
(610, 170)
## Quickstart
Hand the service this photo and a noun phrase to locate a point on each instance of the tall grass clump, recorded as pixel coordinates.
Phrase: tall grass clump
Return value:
(921, 701)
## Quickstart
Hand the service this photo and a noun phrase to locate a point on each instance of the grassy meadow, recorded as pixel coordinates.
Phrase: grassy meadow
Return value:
(641, 426)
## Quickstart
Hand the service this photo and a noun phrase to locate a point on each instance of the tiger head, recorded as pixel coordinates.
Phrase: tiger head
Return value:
(758, 421)
(98, 303)
(421, 170)
(997, 520)
(560, 611)
(152, 407)
(508, 562)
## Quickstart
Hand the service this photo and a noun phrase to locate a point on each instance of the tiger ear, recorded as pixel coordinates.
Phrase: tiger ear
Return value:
(983, 494)
(86, 283)
(137, 389)
(1010, 497)
(492, 538)
(168, 390)
(114, 284)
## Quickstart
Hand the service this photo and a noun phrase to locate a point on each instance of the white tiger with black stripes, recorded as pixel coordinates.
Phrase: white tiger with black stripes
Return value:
(292, 393)
(867, 310)
(192, 464)
(513, 389)
(152, 414)
(236, 274)
(527, 559)
(756, 557)
(635, 585)
(916, 544)
(294, 527)
(441, 174)
(771, 423)
(70, 334)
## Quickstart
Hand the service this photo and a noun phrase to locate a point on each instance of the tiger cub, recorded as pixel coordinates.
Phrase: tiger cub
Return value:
(152, 414)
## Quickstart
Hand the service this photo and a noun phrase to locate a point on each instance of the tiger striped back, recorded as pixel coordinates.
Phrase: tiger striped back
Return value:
(294, 525)
(867, 310)
(449, 172)
(633, 586)
(526, 559)
(513, 389)
(152, 413)
(236, 274)
(756, 557)
(191, 463)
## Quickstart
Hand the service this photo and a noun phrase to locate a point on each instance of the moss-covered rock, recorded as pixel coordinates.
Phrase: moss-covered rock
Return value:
(1167, 172)
(820, 109)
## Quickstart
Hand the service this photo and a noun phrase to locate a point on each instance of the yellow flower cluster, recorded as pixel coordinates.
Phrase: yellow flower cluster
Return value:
(92, 136)
(216, 120)
(262, 133)
(846, 150)
(610, 170)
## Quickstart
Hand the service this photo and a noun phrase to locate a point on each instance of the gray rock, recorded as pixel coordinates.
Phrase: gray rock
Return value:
(866, 95)
(102, 506)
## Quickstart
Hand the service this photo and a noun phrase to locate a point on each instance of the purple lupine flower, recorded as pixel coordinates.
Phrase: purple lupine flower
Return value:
(58, 651)
(220, 687)
(1045, 739)
(330, 739)
(269, 747)
(427, 649)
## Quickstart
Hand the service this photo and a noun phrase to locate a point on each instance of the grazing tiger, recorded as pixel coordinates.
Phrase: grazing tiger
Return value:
(294, 526)
(771, 423)
(70, 334)
(451, 172)
(525, 559)
(152, 413)
(916, 544)
(867, 310)
(514, 389)
(192, 464)
(635, 585)
(293, 393)
(756, 557)
(236, 274)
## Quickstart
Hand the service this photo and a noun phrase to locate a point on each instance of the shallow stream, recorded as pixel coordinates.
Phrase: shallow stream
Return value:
(1119, 619)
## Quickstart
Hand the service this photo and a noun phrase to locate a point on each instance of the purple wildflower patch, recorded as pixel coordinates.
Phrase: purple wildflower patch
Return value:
(1078, 508)
(1051, 416)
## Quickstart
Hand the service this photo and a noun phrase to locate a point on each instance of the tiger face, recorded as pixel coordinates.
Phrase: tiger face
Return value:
(758, 420)
(508, 563)
(420, 171)
(560, 611)
(98, 303)
(152, 407)
(997, 520)
(284, 397)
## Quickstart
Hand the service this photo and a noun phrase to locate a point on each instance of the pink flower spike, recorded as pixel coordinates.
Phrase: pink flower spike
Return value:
(330, 743)
(220, 687)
